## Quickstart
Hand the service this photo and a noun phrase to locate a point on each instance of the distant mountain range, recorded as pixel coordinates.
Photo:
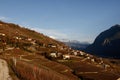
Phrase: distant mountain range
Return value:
(77, 45)
(107, 44)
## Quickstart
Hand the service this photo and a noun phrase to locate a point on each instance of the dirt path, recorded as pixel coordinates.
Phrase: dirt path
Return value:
(4, 71)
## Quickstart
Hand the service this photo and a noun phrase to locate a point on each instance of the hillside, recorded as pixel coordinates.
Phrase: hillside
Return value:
(13, 30)
(26, 39)
(22, 46)
(107, 44)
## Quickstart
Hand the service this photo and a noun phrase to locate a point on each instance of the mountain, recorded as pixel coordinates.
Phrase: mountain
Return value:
(77, 45)
(107, 43)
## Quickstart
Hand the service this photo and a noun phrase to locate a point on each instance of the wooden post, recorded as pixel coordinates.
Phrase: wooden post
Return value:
(14, 61)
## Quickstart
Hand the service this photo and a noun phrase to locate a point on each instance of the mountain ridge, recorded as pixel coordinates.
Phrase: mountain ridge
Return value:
(107, 43)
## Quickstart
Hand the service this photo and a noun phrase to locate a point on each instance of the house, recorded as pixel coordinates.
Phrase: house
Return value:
(18, 38)
(2, 34)
(75, 53)
(66, 56)
(51, 45)
(88, 57)
(53, 55)
(92, 60)
(101, 61)
(29, 39)
(82, 53)
(105, 66)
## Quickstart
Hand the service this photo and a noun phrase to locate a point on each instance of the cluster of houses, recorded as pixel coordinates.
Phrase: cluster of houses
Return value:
(36, 42)
(60, 55)
(68, 55)
(85, 57)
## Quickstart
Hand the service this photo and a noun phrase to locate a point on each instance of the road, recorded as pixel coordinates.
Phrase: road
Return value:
(4, 71)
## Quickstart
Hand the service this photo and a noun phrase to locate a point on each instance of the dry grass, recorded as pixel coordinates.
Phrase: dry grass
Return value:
(26, 71)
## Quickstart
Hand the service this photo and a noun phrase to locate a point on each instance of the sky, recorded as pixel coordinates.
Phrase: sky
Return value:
(81, 20)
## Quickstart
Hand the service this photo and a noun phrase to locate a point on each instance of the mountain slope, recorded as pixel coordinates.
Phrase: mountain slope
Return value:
(107, 44)
(13, 30)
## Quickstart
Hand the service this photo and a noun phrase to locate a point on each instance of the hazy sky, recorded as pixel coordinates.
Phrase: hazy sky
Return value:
(79, 20)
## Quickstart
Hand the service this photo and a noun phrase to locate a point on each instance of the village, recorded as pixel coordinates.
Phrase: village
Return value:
(50, 51)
